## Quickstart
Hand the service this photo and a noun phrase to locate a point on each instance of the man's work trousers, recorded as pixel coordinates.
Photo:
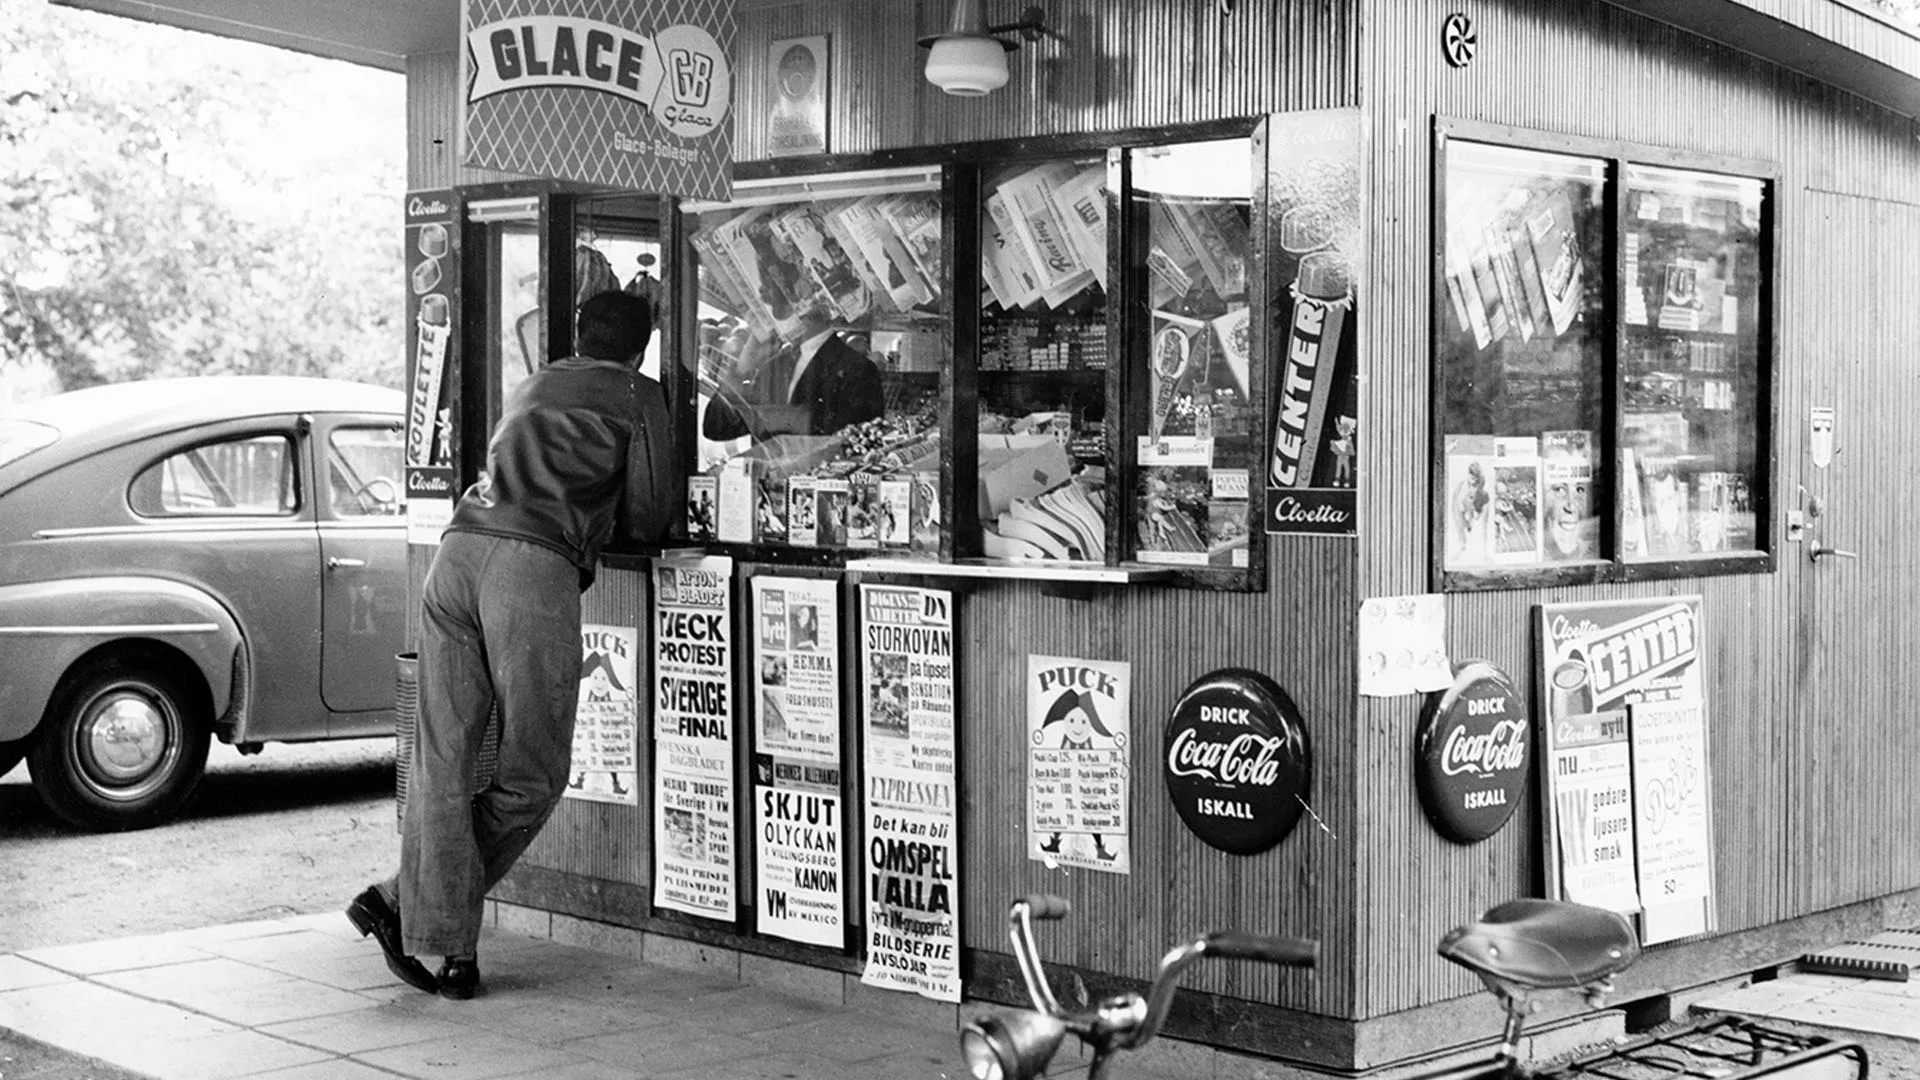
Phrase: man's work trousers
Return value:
(501, 622)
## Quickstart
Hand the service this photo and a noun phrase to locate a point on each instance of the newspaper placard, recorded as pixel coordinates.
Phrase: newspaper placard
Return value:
(797, 859)
(1077, 771)
(796, 761)
(796, 661)
(693, 739)
(907, 714)
(1593, 810)
(606, 720)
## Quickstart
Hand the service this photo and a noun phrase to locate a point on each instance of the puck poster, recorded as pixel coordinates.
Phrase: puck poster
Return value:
(798, 829)
(693, 737)
(909, 744)
(1077, 771)
(1314, 170)
(605, 726)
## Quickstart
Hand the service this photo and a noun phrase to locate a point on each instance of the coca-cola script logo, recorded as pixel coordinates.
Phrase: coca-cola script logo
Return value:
(1238, 762)
(1472, 754)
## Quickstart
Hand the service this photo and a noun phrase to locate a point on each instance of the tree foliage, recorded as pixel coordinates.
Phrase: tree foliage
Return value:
(177, 204)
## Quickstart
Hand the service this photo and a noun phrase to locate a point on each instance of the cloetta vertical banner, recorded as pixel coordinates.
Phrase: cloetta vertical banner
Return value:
(628, 95)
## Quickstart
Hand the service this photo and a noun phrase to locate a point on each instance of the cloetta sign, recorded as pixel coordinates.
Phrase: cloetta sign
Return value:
(605, 93)
(1238, 763)
(1472, 754)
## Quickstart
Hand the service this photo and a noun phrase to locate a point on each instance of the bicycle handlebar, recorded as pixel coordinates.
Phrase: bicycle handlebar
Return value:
(1285, 951)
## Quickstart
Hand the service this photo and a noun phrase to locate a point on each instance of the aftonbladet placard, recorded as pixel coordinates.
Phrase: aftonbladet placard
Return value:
(798, 827)
(693, 733)
(906, 709)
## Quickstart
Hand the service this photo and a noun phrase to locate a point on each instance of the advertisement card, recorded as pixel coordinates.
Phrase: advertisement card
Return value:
(909, 746)
(693, 737)
(1078, 771)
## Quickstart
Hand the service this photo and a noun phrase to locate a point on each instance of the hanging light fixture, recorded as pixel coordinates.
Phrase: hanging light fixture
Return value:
(969, 60)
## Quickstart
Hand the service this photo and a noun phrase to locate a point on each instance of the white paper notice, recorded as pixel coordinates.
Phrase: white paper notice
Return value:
(1403, 645)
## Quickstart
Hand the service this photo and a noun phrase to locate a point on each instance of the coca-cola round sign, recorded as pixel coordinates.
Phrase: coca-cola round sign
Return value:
(1473, 753)
(1237, 761)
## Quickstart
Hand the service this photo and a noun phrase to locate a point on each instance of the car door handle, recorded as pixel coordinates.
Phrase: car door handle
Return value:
(338, 563)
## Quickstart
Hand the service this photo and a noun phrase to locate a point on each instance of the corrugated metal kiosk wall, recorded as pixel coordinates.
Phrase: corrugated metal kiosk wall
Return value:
(1811, 748)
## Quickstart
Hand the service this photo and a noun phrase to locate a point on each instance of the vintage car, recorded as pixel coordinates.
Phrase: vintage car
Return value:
(186, 558)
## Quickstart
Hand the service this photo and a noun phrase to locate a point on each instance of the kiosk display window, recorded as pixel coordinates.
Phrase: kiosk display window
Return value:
(1603, 381)
(1043, 361)
(1191, 205)
(821, 335)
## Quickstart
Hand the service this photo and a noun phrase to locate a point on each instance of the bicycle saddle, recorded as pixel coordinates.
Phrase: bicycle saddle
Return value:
(1544, 944)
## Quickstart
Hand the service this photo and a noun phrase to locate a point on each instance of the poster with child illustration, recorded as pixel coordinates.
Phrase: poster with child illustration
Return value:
(1078, 740)
(606, 727)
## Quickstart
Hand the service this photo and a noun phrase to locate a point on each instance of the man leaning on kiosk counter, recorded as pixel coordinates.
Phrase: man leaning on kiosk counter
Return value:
(581, 452)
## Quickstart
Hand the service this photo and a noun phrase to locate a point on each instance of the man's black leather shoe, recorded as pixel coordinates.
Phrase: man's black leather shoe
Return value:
(371, 914)
(458, 978)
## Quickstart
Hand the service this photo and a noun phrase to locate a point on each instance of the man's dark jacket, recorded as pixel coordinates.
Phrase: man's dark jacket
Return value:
(839, 387)
(581, 452)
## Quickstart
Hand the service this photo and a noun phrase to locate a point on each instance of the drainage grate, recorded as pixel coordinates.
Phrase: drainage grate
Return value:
(1891, 955)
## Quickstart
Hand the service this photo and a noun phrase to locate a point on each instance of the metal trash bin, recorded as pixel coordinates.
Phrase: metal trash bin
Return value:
(406, 711)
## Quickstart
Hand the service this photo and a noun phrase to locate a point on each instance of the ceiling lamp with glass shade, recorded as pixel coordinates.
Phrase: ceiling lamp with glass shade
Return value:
(969, 60)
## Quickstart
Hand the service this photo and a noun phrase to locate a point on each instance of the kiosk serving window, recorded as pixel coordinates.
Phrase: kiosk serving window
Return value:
(821, 336)
(1602, 380)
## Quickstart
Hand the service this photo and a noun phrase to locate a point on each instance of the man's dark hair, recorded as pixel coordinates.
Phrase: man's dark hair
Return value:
(613, 326)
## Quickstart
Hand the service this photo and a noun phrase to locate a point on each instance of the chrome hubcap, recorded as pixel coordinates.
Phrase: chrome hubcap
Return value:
(126, 737)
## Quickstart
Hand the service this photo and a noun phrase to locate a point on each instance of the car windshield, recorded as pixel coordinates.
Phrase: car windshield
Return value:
(18, 438)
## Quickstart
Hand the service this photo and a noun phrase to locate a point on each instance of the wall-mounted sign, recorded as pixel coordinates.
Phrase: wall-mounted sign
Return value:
(606, 726)
(1078, 730)
(1238, 763)
(1457, 40)
(1471, 755)
(1314, 159)
(1820, 442)
(432, 255)
(635, 96)
(693, 736)
(797, 67)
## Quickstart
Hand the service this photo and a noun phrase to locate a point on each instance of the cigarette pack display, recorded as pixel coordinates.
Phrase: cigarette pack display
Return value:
(703, 507)
(802, 510)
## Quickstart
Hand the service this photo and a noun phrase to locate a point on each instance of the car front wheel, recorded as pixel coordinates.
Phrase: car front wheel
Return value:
(123, 747)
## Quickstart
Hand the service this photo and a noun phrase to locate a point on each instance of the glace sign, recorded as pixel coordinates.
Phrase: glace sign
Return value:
(1473, 754)
(1238, 763)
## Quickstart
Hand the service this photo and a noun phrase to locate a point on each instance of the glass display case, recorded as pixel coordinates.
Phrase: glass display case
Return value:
(1191, 210)
(820, 339)
(1042, 378)
(1522, 356)
(1690, 363)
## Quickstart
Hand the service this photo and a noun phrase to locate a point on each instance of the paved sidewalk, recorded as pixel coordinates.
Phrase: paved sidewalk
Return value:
(308, 999)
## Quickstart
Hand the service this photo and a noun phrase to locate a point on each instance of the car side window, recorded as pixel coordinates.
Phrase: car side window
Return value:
(238, 476)
(363, 471)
